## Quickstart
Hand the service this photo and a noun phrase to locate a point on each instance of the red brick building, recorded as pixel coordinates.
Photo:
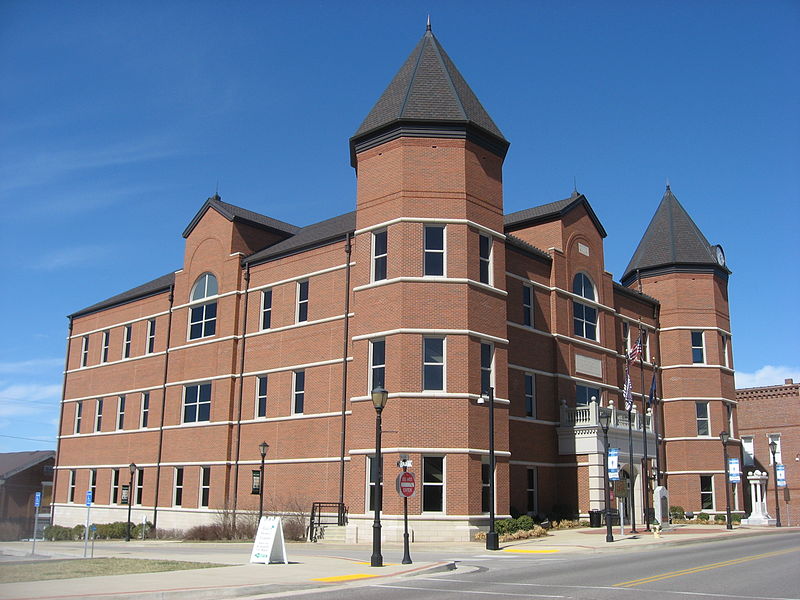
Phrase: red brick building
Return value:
(273, 332)
(22, 475)
(773, 413)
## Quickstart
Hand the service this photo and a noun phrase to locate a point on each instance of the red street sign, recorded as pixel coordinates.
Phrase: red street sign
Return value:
(406, 484)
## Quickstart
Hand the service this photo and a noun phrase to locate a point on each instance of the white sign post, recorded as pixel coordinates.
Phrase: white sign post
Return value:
(37, 500)
(734, 475)
(86, 529)
(269, 546)
(780, 471)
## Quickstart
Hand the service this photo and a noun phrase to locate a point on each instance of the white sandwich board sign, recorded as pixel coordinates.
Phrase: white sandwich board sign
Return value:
(269, 546)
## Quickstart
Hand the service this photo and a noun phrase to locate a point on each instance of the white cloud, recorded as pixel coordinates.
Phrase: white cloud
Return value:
(31, 367)
(68, 257)
(767, 375)
(17, 400)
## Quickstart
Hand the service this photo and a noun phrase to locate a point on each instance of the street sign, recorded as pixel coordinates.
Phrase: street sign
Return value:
(613, 464)
(37, 499)
(733, 470)
(406, 484)
(781, 472)
(125, 494)
(88, 497)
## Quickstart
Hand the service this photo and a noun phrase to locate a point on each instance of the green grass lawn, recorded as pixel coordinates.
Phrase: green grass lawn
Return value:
(91, 567)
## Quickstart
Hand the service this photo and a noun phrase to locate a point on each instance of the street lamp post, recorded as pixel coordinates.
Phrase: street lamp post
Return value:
(773, 447)
(492, 539)
(605, 418)
(379, 397)
(724, 437)
(263, 447)
(132, 468)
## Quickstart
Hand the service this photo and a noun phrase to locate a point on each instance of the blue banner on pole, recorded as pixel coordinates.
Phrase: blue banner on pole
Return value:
(733, 470)
(613, 464)
(781, 472)
(37, 499)
(88, 497)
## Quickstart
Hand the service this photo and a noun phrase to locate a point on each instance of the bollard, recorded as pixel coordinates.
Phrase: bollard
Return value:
(657, 530)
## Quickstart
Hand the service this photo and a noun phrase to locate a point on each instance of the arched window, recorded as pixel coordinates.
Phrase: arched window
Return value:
(584, 317)
(203, 318)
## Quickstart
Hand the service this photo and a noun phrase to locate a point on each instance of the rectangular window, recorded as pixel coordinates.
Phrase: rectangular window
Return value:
(302, 301)
(775, 437)
(703, 421)
(126, 341)
(485, 486)
(121, 413)
(487, 361)
(434, 251)
(203, 321)
(178, 492)
(485, 254)
(261, 396)
(377, 372)
(584, 320)
(646, 356)
(115, 486)
(584, 395)
(698, 348)
(433, 363)
(93, 484)
(379, 255)
(725, 360)
(530, 395)
(139, 485)
(706, 492)
(72, 476)
(197, 403)
(372, 472)
(151, 336)
(527, 305)
(266, 309)
(530, 492)
(255, 481)
(432, 484)
(98, 416)
(626, 336)
(78, 415)
(748, 451)
(205, 486)
(85, 351)
(106, 340)
(145, 409)
(299, 392)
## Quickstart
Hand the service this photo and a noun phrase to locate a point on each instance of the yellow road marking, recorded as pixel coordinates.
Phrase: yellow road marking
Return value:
(344, 577)
(701, 568)
(521, 551)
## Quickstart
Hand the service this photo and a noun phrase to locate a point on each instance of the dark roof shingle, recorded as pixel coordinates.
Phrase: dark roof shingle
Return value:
(156, 286)
(552, 210)
(310, 236)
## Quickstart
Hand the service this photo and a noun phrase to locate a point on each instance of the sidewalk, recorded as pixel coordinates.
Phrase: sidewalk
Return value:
(306, 571)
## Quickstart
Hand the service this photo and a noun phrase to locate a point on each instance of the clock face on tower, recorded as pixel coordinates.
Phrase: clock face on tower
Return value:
(720, 255)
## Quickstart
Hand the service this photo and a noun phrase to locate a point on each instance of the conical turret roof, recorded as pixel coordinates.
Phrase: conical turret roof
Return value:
(671, 240)
(428, 91)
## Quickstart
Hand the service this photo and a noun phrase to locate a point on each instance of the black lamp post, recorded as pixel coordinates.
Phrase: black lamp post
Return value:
(132, 468)
(724, 437)
(379, 398)
(263, 447)
(605, 417)
(492, 539)
(773, 447)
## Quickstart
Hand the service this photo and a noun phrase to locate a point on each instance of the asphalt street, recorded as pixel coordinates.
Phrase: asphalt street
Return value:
(761, 568)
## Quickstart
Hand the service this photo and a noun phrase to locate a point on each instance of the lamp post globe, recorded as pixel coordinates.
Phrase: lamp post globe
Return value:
(379, 398)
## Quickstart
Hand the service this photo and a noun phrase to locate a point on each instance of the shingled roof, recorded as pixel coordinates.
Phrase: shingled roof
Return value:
(156, 286)
(311, 236)
(237, 214)
(427, 91)
(671, 240)
(550, 211)
(12, 463)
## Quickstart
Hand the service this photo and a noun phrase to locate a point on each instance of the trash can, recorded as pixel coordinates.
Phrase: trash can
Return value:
(595, 518)
(613, 516)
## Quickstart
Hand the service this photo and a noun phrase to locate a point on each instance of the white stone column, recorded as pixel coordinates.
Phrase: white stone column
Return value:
(758, 515)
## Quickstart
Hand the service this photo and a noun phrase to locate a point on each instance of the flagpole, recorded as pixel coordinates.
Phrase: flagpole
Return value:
(646, 480)
(629, 406)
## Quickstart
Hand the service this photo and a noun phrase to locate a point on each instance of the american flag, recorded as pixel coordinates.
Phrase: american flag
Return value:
(636, 352)
(627, 391)
(652, 398)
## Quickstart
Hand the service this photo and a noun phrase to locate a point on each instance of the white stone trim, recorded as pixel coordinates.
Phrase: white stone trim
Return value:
(321, 363)
(698, 328)
(431, 279)
(699, 366)
(114, 362)
(406, 450)
(120, 324)
(529, 463)
(707, 472)
(532, 420)
(294, 417)
(195, 463)
(296, 325)
(209, 340)
(697, 438)
(436, 332)
(698, 399)
(431, 394)
(528, 328)
(432, 220)
(299, 277)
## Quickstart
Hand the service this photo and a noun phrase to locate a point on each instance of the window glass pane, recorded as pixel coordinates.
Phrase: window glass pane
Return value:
(434, 350)
(380, 268)
(434, 377)
(434, 238)
(303, 291)
(434, 469)
(380, 243)
(433, 483)
(434, 263)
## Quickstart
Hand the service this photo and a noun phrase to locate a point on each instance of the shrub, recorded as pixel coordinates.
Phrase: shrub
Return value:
(720, 518)
(204, 533)
(166, 534)
(77, 532)
(111, 531)
(57, 533)
(736, 518)
(677, 512)
(703, 517)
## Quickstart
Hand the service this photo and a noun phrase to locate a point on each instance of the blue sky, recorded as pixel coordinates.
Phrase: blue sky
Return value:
(118, 119)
